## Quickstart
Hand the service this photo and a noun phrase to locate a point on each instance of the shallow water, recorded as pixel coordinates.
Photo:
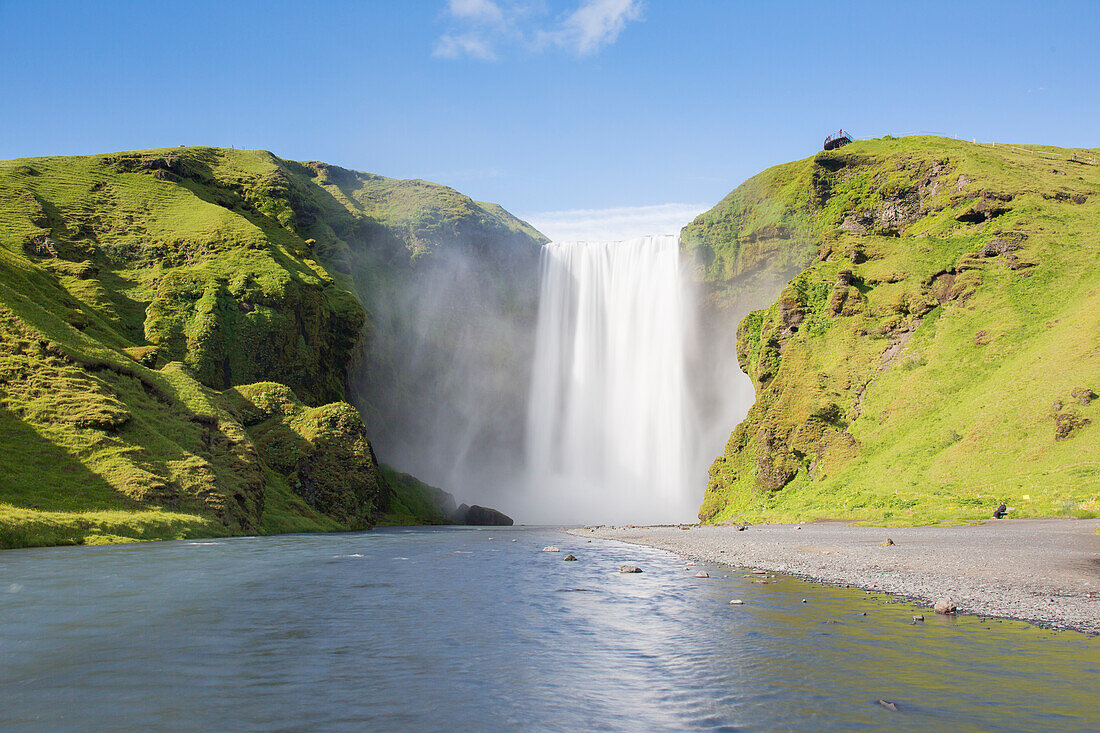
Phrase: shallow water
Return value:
(465, 629)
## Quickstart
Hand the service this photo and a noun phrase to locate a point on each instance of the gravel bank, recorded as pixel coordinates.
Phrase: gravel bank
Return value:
(1046, 571)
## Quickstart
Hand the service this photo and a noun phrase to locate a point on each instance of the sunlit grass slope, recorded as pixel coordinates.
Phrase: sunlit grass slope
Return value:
(937, 348)
(136, 288)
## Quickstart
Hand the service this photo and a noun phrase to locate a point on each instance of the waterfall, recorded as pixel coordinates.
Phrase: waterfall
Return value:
(609, 425)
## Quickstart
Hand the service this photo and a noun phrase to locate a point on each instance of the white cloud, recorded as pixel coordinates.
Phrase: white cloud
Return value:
(466, 44)
(479, 11)
(479, 27)
(610, 225)
(593, 25)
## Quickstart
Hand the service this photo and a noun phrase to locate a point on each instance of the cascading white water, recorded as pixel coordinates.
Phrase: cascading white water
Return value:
(609, 418)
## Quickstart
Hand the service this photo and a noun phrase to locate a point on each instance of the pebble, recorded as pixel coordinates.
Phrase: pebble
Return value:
(887, 543)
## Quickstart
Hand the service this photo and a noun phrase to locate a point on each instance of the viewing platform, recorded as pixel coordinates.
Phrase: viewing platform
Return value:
(839, 140)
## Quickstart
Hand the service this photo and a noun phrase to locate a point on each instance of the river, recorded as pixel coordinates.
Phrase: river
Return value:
(475, 629)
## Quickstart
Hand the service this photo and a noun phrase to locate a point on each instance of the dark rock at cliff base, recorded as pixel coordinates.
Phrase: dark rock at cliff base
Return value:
(480, 516)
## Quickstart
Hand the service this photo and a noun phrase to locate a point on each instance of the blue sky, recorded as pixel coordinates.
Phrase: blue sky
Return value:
(545, 106)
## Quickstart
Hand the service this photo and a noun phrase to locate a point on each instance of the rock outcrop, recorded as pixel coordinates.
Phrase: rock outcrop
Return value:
(480, 516)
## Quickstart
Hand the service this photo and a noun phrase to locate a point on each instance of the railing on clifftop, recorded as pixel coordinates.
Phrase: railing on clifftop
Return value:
(838, 140)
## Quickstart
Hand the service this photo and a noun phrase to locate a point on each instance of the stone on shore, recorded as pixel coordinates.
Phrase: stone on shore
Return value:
(944, 606)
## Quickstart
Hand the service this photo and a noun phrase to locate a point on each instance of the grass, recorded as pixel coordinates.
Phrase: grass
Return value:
(941, 387)
(413, 502)
(22, 527)
(137, 290)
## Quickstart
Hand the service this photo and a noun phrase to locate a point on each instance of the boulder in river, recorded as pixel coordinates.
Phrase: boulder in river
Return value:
(550, 548)
(888, 705)
(737, 602)
(944, 606)
(480, 516)
(918, 618)
(702, 574)
(629, 569)
(570, 558)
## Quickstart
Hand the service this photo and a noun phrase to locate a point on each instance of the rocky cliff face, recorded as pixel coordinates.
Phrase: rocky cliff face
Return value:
(934, 344)
(142, 297)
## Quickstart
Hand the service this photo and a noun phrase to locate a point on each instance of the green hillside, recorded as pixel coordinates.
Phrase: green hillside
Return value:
(176, 330)
(935, 345)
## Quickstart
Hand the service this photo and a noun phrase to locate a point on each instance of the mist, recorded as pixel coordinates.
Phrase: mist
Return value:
(443, 377)
(581, 382)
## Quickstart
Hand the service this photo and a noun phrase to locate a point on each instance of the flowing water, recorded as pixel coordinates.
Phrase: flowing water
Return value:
(463, 629)
(609, 423)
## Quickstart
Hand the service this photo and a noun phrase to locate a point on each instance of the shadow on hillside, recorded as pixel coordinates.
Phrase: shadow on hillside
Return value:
(38, 474)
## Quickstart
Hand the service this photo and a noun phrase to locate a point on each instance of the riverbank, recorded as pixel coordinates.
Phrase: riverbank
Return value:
(1046, 571)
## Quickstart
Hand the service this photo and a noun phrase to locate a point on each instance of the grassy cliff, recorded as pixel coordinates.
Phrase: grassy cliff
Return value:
(932, 343)
(176, 330)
